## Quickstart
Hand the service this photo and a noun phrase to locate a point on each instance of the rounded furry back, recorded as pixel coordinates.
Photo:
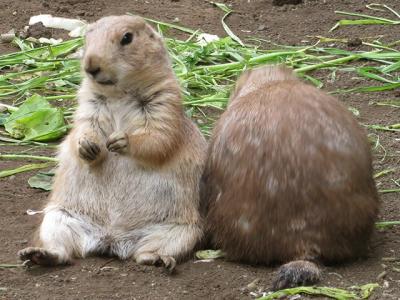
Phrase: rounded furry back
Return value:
(288, 174)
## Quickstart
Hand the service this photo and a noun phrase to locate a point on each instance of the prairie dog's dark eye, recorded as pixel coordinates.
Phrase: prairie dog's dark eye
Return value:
(126, 39)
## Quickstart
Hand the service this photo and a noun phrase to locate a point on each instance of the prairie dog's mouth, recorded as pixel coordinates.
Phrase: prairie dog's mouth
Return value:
(105, 82)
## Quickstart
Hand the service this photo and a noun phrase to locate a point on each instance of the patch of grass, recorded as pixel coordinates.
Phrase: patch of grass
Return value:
(368, 19)
(207, 71)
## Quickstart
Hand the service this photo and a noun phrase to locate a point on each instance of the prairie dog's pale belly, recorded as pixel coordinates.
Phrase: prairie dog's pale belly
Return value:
(118, 191)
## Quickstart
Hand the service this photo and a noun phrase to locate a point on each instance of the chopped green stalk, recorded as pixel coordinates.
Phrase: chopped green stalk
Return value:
(28, 157)
(384, 172)
(25, 168)
(386, 224)
(10, 266)
(389, 191)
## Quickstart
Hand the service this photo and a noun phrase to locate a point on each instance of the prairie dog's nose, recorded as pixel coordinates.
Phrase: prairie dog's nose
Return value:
(92, 66)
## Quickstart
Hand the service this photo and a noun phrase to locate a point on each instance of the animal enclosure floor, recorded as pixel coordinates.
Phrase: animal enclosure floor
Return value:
(102, 278)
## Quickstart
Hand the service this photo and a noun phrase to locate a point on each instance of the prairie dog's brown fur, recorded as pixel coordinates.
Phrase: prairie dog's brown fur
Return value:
(288, 178)
(128, 179)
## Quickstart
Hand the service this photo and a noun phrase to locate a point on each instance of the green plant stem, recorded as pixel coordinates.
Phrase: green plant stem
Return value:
(384, 172)
(328, 63)
(388, 191)
(24, 156)
(384, 224)
(10, 266)
(25, 168)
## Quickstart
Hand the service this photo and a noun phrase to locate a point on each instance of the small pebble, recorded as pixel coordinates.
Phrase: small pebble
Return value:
(354, 42)
(261, 27)
(284, 2)
(385, 284)
(64, 9)
(253, 285)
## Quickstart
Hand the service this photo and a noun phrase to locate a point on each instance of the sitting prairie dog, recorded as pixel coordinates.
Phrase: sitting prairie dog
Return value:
(128, 179)
(288, 178)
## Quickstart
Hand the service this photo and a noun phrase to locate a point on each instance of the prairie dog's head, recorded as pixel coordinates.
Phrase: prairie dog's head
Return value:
(120, 49)
(254, 79)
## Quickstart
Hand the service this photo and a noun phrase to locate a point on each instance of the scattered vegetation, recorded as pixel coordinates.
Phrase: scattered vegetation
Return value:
(361, 292)
(38, 87)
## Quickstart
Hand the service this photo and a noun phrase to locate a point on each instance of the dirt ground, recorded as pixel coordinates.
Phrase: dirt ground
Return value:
(102, 278)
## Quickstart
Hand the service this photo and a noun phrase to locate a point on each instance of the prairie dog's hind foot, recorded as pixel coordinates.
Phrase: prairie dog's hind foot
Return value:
(39, 256)
(152, 258)
(295, 273)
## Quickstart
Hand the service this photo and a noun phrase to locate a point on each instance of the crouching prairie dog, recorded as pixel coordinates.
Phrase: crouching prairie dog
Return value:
(288, 178)
(128, 179)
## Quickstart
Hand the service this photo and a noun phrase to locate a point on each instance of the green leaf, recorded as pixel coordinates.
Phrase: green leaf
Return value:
(209, 254)
(36, 120)
(42, 181)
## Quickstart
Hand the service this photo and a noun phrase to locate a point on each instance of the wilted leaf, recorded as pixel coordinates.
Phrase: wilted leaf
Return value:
(354, 110)
(356, 292)
(209, 254)
(42, 181)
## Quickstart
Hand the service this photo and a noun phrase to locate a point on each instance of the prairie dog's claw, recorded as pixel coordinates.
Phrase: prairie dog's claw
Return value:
(88, 150)
(117, 142)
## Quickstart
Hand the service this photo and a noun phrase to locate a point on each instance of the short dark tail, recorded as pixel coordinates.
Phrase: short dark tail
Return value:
(295, 273)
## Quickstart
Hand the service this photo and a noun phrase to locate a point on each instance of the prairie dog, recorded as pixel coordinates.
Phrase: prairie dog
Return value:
(128, 179)
(288, 178)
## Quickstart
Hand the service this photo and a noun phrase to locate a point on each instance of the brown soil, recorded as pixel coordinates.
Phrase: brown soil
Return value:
(100, 278)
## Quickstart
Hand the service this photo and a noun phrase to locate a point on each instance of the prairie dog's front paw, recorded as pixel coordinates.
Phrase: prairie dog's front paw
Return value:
(117, 142)
(88, 150)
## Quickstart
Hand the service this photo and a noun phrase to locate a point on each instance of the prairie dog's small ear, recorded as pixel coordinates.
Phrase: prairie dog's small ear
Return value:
(151, 32)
